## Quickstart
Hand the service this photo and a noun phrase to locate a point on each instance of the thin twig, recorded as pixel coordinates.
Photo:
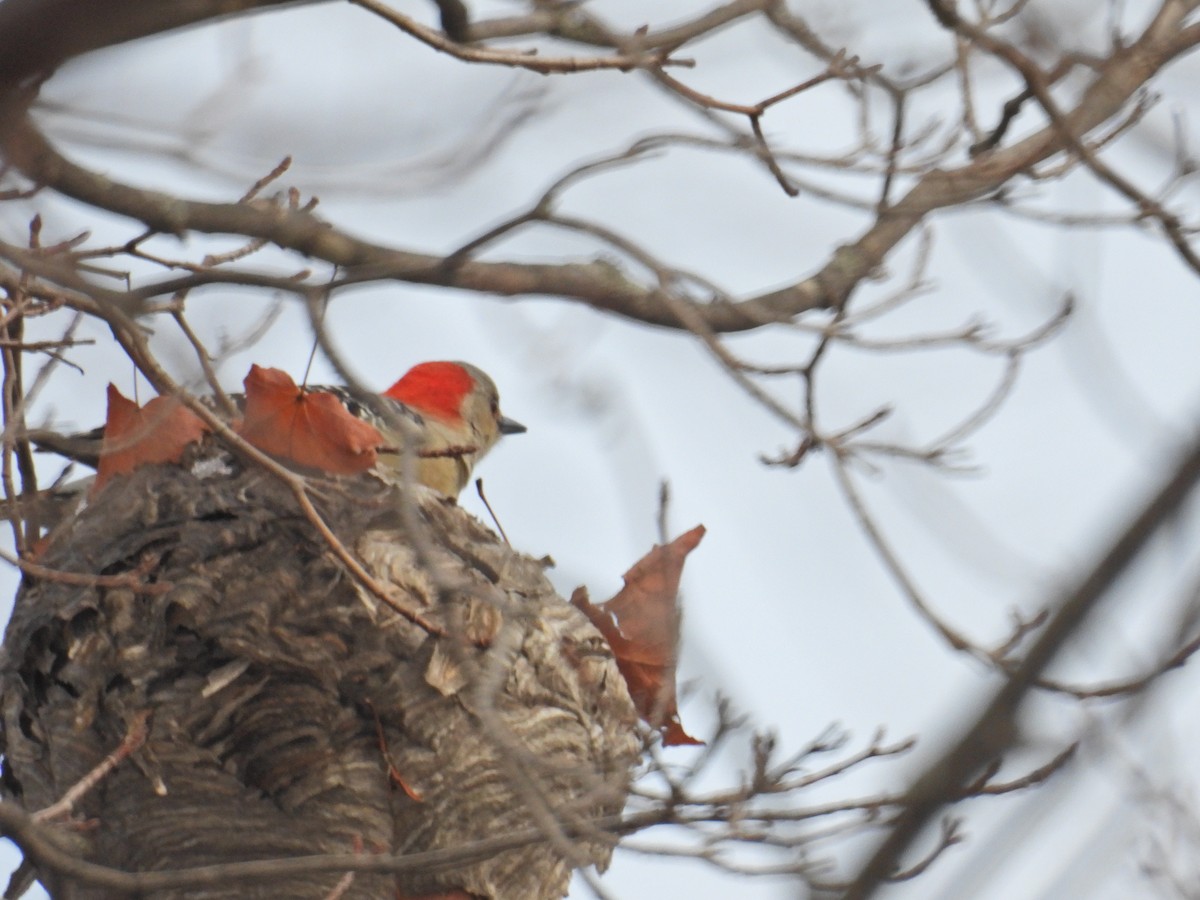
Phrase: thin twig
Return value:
(135, 737)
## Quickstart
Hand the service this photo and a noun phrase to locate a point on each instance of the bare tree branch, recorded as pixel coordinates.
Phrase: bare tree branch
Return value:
(995, 728)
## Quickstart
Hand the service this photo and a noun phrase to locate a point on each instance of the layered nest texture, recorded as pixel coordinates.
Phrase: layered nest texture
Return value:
(291, 710)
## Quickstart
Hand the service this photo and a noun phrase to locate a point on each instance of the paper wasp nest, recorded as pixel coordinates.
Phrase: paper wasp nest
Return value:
(291, 711)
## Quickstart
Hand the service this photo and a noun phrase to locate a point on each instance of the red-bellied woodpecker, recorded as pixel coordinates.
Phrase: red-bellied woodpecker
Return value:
(452, 409)
(449, 411)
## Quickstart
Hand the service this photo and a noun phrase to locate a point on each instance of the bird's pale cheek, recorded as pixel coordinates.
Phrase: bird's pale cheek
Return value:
(485, 437)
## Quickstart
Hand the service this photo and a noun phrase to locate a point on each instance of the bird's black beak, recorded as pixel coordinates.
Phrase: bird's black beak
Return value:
(510, 426)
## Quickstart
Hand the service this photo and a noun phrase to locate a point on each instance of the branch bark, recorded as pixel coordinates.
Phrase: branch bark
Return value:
(37, 36)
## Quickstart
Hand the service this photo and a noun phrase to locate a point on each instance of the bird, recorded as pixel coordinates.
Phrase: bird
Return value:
(453, 408)
(437, 421)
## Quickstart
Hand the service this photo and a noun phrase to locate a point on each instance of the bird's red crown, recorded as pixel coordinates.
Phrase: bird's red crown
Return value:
(434, 388)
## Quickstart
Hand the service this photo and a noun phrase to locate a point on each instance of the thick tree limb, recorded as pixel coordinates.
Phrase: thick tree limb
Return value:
(37, 36)
(598, 283)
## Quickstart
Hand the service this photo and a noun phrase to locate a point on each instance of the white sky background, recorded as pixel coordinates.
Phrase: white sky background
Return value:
(788, 611)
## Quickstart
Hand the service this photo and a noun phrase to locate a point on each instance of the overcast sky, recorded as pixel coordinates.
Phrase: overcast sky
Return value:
(788, 610)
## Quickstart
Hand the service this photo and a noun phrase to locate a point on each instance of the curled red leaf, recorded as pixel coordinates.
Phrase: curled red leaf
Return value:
(310, 428)
(641, 624)
(143, 435)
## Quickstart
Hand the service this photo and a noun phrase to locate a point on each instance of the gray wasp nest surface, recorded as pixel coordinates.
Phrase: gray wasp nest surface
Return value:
(292, 712)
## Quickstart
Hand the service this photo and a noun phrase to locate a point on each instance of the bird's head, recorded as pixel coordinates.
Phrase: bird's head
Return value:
(459, 396)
